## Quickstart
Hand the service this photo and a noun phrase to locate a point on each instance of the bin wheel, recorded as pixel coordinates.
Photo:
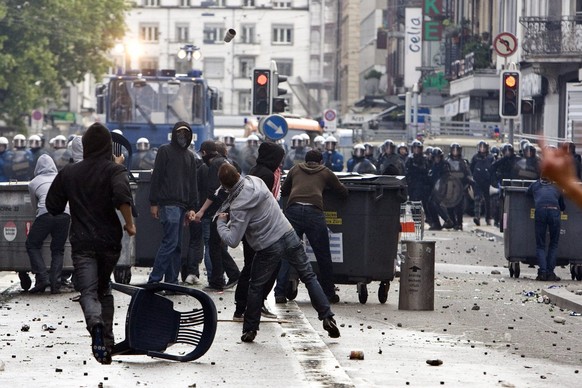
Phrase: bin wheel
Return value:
(510, 269)
(579, 272)
(383, 292)
(573, 271)
(25, 281)
(514, 269)
(362, 293)
(122, 275)
(291, 291)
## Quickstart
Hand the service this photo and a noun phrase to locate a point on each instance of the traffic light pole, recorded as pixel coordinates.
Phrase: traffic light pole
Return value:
(510, 140)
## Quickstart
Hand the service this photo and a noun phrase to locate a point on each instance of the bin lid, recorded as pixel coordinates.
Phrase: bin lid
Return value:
(371, 179)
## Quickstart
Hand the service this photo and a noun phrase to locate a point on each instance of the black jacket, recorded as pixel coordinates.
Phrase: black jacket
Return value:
(174, 179)
(94, 188)
(269, 159)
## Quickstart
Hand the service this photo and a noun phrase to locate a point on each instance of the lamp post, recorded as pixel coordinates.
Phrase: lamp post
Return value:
(189, 52)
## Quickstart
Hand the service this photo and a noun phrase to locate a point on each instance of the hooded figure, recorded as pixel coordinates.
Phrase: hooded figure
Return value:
(77, 149)
(270, 157)
(44, 225)
(173, 193)
(94, 188)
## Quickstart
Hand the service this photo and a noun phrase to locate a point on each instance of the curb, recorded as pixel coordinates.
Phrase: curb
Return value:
(564, 299)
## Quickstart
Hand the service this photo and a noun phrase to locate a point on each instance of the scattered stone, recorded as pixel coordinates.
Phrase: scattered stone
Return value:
(399, 324)
(2, 366)
(476, 308)
(560, 320)
(495, 272)
(25, 328)
(356, 355)
(436, 362)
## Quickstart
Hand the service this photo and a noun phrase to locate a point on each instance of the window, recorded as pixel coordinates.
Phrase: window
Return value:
(246, 66)
(220, 3)
(284, 66)
(244, 103)
(182, 33)
(248, 34)
(149, 32)
(214, 67)
(213, 33)
(184, 3)
(248, 3)
(148, 63)
(151, 3)
(282, 35)
(281, 4)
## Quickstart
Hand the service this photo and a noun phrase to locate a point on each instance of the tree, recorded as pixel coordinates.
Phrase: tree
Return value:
(47, 44)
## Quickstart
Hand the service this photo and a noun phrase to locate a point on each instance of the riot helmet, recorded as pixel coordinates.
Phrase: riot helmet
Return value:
(495, 151)
(437, 153)
(142, 144)
(253, 140)
(388, 147)
(330, 143)
(60, 142)
(483, 147)
(530, 151)
(34, 142)
(428, 151)
(118, 131)
(522, 145)
(229, 140)
(358, 151)
(507, 150)
(369, 149)
(305, 139)
(296, 142)
(19, 141)
(456, 150)
(402, 149)
(416, 147)
(318, 142)
(3, 143)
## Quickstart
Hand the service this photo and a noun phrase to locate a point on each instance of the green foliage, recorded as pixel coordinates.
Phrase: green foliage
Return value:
(481, 49)
(47, 44)
(373, 74)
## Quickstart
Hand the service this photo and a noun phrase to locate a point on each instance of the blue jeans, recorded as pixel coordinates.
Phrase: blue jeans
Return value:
(58, 228)
(310, 220)
(168, 261)
(547, 218)
(290, 248)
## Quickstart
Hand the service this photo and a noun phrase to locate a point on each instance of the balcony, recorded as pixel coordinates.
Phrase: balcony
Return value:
(552, 39)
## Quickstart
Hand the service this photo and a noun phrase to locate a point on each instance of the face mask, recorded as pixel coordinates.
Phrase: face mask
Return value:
(182, 139)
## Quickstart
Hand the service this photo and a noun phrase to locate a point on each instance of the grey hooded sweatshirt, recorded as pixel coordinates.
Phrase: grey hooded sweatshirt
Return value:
(254, 213)
(45, 172)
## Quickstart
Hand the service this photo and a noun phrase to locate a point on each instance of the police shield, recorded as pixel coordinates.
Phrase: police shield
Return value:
(448, 191)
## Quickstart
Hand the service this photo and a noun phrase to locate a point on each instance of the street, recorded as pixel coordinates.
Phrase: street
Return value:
(487, 329)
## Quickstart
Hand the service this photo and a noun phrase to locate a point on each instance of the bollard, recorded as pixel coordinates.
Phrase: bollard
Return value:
(417, 276)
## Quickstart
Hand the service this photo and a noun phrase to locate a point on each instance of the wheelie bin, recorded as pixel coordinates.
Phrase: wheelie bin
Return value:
(363, 230)
(519, 230)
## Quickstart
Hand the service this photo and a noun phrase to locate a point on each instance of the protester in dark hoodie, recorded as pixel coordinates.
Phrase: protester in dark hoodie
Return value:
(270, 158)
(173, 193)
(94, 188)
(304, 186)
(255, 213)
(46, 224)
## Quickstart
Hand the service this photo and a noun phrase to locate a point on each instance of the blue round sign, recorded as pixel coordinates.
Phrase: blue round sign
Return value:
(274, 127)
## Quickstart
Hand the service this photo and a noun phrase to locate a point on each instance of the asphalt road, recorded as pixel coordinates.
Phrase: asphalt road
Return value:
(508, 340)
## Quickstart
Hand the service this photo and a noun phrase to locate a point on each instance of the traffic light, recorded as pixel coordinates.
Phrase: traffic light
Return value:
(261, 97)
(278, 105)
(528, 106)
(509, 98)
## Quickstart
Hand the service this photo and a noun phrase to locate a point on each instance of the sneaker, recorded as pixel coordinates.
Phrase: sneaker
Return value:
(100, 351)
(230, 284)
(435, 227)
(76, 298)
(542, 277)
(280, 300)
(448, 225)
(192, 279)
(330, 326)
(265, 313)
(477, 221)
(553, 278)
(238, 317)
(333, 299)
(248, 336)
(489, 222)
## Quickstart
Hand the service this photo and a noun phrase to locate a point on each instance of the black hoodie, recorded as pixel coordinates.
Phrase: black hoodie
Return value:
(269, 159)
(94, 188)
(174, 180)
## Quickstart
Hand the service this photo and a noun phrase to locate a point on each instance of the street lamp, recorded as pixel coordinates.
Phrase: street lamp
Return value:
(189, 52)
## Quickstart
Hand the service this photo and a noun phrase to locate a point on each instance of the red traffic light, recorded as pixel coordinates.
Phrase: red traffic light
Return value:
(510, 81)
(262, 79)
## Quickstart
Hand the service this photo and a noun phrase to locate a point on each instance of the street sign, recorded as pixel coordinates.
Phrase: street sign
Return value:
(330, 120)
(505, 44)
(274, 127)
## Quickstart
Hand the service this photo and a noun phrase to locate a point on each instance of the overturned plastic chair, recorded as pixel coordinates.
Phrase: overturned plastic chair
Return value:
(152, 325)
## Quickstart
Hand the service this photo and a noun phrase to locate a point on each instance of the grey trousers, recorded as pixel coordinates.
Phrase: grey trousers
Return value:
(93, 279)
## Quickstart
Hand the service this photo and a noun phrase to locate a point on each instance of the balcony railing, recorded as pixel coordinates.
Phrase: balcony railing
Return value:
(556, 38)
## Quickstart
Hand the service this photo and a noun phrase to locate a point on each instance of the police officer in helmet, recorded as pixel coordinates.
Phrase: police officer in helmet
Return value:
(332, 159)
